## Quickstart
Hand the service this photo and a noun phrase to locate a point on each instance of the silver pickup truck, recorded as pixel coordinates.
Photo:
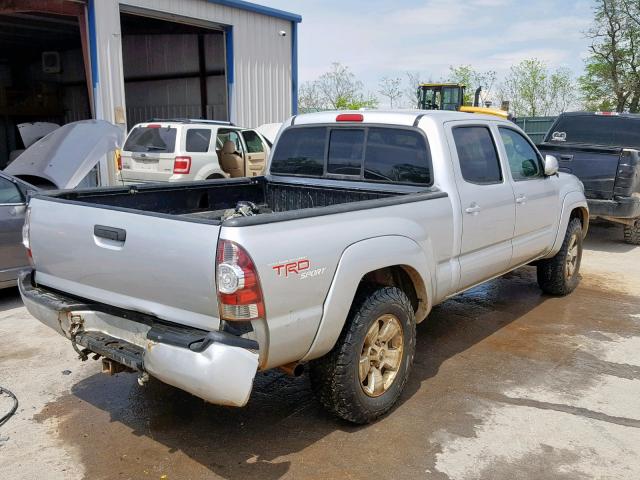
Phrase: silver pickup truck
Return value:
(362, 224)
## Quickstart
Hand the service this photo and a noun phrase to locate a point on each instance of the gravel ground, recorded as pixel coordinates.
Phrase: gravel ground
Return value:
(507, 384)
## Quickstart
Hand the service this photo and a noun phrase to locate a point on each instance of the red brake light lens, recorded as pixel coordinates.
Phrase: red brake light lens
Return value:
(182, 165)
(153, 125)
(239, 290)
(350, 117)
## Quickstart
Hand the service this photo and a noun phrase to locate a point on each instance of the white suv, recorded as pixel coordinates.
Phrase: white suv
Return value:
(180, 150)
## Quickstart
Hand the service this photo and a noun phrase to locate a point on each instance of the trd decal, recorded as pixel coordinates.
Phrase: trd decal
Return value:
(300, 267)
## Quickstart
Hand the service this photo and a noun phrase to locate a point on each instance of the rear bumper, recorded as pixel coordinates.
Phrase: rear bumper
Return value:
(621, 207)
(215, 366)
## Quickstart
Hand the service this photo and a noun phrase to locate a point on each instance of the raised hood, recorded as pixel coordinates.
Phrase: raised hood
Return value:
(67, 155)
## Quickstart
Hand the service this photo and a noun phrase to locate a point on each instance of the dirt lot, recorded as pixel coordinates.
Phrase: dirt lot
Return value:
(507, 384)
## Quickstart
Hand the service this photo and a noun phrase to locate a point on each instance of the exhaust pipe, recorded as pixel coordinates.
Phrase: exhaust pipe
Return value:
(293, 369)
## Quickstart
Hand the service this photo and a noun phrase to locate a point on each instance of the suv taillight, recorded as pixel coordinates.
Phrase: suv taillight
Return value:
(239, 291)
(182, 165)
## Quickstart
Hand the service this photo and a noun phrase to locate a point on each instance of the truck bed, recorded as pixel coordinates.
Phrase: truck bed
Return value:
(209, 201)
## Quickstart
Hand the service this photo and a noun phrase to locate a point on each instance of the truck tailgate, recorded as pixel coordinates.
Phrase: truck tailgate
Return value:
(150, 263)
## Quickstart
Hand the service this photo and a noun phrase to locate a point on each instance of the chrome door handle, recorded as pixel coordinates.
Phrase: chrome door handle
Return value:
(473, 209)
(521, 200)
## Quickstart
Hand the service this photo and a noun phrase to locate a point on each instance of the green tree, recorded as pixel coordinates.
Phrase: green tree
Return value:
(472, 79)
(612, 74)
(391, 88)
(532, 89)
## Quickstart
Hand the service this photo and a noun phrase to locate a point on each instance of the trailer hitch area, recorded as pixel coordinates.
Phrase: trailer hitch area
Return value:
(76, 322)
(111, 367)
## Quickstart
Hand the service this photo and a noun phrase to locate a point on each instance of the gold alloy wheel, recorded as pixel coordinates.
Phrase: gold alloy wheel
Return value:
(572, 257)
(381, 355)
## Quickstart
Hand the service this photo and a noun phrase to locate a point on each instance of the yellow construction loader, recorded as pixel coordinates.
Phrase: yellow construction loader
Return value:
(450, 96)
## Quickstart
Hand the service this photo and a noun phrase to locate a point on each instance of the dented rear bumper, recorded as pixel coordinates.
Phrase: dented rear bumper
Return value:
(216, 366)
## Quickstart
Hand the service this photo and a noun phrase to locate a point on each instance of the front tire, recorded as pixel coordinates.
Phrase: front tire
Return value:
(632, 233)
(362, 377)
(560, 275)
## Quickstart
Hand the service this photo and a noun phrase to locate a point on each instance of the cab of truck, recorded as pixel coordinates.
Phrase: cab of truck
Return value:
(183, 150)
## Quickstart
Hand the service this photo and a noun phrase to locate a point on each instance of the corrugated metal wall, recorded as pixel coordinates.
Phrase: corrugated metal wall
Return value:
(262, 57)
(535, 127)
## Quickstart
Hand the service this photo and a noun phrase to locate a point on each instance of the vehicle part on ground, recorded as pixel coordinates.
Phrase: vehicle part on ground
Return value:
(362, 377)
(632, 233)
(560, 275)
(5, 418)
(294, 369)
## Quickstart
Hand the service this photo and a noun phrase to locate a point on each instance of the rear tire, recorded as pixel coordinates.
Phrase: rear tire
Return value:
(362, 377)
(632, 233)
(560, 275)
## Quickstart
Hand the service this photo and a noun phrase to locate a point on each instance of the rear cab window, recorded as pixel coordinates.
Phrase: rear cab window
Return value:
(602, 130)
(387, 154)
(151, 139)
(477, 155)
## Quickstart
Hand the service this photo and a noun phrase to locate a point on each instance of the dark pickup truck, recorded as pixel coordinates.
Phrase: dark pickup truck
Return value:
(603, 150)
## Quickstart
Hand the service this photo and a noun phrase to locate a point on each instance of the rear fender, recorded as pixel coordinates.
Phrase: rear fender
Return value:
(357, 260)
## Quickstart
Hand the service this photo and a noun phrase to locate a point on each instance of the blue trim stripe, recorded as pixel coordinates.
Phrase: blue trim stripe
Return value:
(294, 68)
(93, 43)
(253, 7)
(230, 68)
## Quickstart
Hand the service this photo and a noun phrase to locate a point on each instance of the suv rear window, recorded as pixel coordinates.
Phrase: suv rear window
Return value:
(151, 139)
(610, 131)
(374, 154)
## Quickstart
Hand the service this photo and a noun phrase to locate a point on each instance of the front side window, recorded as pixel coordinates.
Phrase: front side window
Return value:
(523, 159)
(9, 192)
(345, 151)
(154, 139)
(477, 155)
(198, 140)
(229, 136)
(300, 151)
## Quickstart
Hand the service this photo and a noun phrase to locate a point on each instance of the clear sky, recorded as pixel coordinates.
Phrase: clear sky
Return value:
(379, 38)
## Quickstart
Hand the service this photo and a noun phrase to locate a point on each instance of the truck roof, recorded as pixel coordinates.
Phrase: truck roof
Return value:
(605, 114)
(397, 117)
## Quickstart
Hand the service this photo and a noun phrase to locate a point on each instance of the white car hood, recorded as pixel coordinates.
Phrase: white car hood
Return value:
(67, 155)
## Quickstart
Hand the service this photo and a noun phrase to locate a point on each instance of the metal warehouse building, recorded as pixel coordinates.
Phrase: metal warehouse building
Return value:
(127, 61)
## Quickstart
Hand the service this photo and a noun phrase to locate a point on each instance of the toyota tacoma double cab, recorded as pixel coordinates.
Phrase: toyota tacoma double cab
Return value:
(363, 222)
(602, 149)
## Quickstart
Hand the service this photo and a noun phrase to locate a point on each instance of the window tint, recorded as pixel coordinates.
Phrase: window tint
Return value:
(523, 159)
(345, 152)
(229, 135)
(477, 155)
(300, 151)
(198, 140)
(150, 139)
(9, 192)
(253, 141)
(603, 130)
(397, 155)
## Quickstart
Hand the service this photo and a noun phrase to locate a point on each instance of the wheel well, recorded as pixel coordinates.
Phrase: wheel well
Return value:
(214, 176)
(406, 279)
(581, 214)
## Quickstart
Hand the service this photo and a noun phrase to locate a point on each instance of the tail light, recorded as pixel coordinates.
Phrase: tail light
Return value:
(26, 234)
(350, 117)
(239, 291)
(182, 165)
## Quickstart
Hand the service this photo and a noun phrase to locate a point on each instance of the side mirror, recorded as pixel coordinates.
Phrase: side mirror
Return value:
(550, 165)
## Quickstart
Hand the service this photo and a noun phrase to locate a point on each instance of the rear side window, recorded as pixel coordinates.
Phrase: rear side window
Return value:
(345, 152)
(392, 155)
(477, 155)
(198, 140)
(151, 139)
(397, 155)
(253, 141)
(300, 151)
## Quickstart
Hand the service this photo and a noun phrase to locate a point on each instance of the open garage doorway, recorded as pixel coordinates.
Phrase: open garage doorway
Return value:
(43, 75)
(172, 70)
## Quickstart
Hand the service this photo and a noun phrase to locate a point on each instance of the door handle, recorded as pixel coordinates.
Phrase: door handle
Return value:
(521, 200)
(110, 233)
(473, 209)
(566, 158)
